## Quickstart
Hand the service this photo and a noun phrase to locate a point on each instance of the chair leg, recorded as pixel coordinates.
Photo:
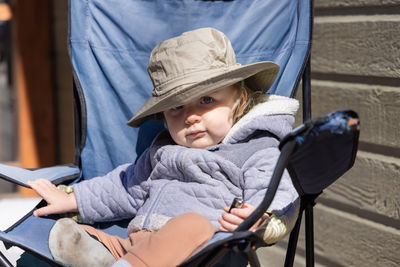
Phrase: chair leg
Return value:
(294, 236)
(309, 235)
(252, 258)
(4, 262)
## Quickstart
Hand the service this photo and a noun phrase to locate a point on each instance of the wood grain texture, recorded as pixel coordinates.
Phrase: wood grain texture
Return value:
(348, 240)
(378, 107)
(357, 45)
(355, 3)
(372, 185)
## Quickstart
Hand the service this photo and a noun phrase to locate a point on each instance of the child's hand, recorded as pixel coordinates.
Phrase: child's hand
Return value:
(230, 221)
(57, 201)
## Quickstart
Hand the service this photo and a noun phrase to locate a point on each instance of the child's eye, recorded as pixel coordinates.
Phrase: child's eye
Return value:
(177, 108)
(206, 100)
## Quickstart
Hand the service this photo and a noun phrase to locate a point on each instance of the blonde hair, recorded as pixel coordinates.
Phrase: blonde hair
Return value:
(247, 99)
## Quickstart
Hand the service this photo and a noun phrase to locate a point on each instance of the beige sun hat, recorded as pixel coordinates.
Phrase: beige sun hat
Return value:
(195, 64)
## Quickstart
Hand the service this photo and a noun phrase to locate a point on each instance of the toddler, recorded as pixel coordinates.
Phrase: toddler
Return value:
(221, 142)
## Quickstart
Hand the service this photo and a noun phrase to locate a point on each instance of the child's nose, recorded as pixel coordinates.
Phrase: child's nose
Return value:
(192, 117)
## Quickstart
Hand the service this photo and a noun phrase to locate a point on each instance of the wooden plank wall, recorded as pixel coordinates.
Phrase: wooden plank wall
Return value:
(356, 64)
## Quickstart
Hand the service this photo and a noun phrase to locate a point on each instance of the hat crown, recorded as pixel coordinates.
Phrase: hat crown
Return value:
(195, 64)
(188, 58)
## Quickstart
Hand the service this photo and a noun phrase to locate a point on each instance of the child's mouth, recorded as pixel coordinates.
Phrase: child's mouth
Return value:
(195, 134)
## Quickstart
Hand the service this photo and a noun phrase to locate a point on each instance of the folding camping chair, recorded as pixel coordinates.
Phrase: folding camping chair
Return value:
(110, 42)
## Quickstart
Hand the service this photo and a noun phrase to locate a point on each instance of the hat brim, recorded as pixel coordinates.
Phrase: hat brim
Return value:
(257, 76)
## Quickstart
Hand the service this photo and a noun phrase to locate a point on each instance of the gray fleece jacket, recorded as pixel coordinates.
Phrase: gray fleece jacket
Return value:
(169, 179)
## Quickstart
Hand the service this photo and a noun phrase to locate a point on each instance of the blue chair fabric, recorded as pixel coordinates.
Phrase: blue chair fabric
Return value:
(111, 41)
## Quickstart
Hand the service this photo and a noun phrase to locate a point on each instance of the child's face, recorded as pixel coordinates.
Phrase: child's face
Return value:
(205, 121)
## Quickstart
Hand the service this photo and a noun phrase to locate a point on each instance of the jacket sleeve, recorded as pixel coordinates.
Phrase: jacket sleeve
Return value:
(257, 174)
(117, 195)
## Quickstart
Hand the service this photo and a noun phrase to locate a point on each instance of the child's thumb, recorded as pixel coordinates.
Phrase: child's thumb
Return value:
(43, 211)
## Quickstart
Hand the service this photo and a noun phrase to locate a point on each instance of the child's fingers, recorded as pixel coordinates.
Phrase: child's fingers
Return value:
(38, 187)
(50, 194)
(38, 184)
(45, 184)
(227, 222)
(227, 226)
(232, 218)
(43, 211)
(34, 185)
(42, 186)
(243, 212)
(221, 229)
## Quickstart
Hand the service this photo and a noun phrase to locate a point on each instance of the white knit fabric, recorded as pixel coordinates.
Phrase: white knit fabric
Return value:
(275, 105)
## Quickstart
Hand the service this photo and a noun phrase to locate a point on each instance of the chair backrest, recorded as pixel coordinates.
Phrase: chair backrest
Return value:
(110, 42)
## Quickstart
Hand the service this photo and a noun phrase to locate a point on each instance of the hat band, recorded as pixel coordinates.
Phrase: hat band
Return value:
(186, 80)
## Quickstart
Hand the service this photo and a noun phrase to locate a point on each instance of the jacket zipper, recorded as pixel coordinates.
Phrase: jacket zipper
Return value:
(146, 220)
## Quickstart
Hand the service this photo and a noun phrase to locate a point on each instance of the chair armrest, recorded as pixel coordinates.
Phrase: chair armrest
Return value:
(55, 174)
